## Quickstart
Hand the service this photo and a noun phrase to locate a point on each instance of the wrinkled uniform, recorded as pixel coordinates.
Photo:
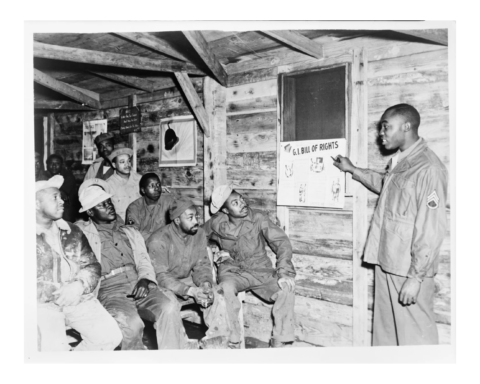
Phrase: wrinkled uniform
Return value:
(251, 268)
(404, 241)
(96, 170)
(181, 263)
(118, 245)
(76, 261)
(124, 191)
(147, 219)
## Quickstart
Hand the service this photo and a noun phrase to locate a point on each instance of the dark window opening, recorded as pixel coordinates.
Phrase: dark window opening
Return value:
(314, 105)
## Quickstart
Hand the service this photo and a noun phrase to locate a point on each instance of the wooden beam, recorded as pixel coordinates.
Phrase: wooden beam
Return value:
(296, 40)
(86, 56)
(152, 42)
(50, 135)
(131, 81)
(194, 101)
(60, 104)
(439, 36)
(359, 157)
(91, 99)
(132, 137)
(201, 46)
(214, 146)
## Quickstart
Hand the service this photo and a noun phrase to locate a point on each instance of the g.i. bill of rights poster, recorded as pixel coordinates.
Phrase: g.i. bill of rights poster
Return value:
(308, 176)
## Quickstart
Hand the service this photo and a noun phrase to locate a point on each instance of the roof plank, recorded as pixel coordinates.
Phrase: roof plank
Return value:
(439, 36)
(201, 46)
(89, 98)
(194, 101)
(146, 40)
(296, 40)
(60, 104)
(86, 56)
(131, 81)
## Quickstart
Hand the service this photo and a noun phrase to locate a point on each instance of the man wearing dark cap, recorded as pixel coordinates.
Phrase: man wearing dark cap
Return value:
(124, 182)
(128, 287)
(242, 233)
(150, 212)
(182, 266)
(407, 230)
(67, 274)
(102, 167)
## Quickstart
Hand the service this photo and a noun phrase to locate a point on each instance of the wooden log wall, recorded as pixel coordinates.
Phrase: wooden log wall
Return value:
(322, 239)
(182, 181)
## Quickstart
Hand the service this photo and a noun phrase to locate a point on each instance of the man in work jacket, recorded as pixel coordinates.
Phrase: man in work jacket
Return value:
(180, 258)
(123, 183)
(67, 274)
(241, 233)
(407, 230)
(150, 211)
(102, 167)
(128, 288)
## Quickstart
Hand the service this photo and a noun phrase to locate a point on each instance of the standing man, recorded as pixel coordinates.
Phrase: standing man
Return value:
(124, 182)
(407, 230)
(101, 167)
(241, 233)
(149, 212)
(67, 274)
(55, 166)
(180, 258)
(128, 288)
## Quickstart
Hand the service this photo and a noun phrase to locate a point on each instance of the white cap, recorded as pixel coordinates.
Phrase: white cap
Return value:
(54, 182)
(219, 196)
(91, 196)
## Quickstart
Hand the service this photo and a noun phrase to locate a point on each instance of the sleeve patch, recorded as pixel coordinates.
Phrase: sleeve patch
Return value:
(432, 200)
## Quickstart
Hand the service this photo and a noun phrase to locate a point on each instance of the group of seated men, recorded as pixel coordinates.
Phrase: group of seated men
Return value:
(140, 252)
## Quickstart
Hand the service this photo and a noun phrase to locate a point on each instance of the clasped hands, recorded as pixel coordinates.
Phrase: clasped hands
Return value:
(203, 295)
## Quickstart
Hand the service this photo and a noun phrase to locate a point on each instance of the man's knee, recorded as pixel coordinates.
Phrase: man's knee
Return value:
(228, 288)
(130, 323)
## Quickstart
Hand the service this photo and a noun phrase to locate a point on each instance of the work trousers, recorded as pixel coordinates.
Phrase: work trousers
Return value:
(98, 329)
(159, 306)
(265, 286)
(398, 324)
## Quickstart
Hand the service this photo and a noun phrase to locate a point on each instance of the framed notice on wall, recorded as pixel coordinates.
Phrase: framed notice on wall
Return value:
(308, 176)
(130, 119)
(91, 129)
(178, 142)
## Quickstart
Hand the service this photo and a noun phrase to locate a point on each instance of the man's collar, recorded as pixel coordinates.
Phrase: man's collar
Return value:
(60, 224)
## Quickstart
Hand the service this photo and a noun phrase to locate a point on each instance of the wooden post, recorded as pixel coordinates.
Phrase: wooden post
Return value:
(359, 157)
(215, 146)
(132, 137)
(49, 136)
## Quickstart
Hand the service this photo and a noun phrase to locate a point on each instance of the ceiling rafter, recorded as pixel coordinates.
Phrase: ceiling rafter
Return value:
(297, 41)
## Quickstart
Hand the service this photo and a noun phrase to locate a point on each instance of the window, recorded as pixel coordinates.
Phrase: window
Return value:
(314, 104)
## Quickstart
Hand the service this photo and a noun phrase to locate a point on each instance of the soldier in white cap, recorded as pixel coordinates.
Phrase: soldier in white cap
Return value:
(67, 274)
(243, 264)
(128, 287)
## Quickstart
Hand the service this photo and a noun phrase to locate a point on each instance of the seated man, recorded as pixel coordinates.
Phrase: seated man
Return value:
(67, 274)
(55, 166)
(181, 262)
(124, 182)
(101, 167)
(149, 212)
(241, 233)
(128, 288)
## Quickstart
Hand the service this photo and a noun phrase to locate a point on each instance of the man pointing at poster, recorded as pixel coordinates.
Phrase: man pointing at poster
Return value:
(407, 230)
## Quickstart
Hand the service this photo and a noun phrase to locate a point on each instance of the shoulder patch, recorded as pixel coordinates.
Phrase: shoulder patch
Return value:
(432, 200)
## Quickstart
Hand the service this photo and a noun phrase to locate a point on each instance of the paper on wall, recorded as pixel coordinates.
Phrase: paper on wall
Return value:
(308, 176)
(91, 129)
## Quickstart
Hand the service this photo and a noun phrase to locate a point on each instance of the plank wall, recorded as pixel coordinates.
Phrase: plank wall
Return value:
(322, 239)
(182, 181)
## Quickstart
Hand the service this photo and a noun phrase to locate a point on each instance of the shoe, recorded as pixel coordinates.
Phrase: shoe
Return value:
(280, 344)
(232, 345)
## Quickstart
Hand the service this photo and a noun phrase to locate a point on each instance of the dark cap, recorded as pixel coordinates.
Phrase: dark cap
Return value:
(103, 137)
(179, 206)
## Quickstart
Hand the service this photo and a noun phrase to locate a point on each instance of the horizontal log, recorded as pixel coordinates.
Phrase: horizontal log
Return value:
(252, 76)
(251, 91)
(252, 123)
(258, 104)
(255, 142)
(439, 36)
(57, 104)
(85, 56)
(321, 234)
(252, 170)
